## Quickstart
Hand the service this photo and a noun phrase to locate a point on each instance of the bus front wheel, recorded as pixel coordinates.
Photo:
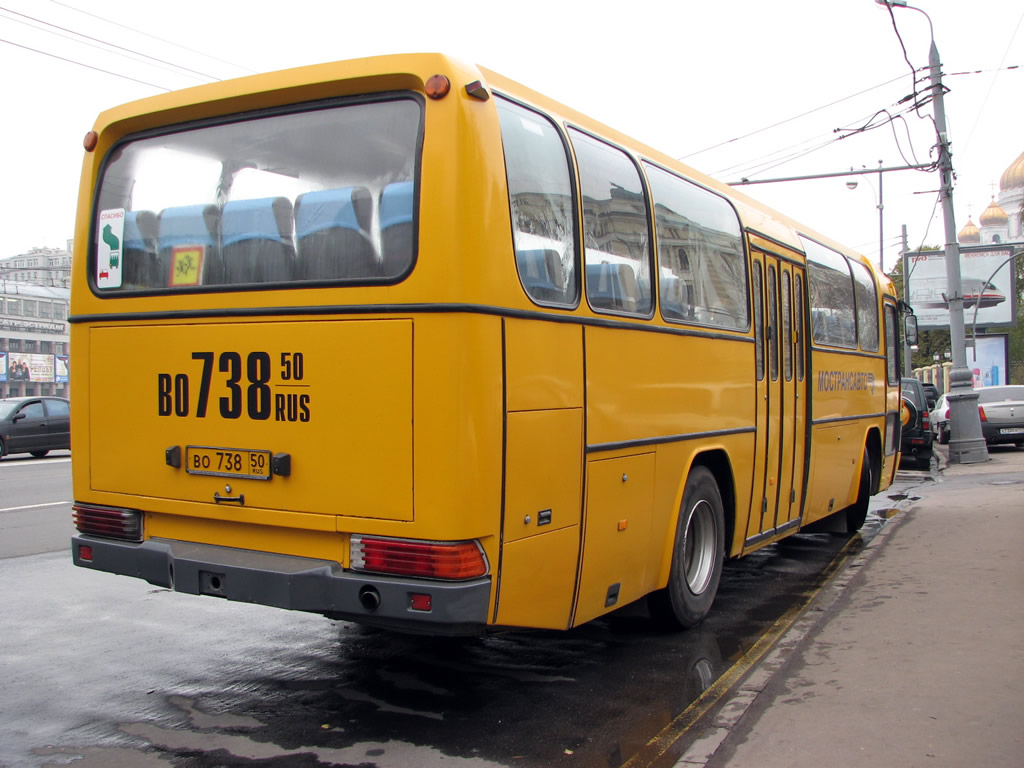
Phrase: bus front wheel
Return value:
(697, 556)
(858, 512)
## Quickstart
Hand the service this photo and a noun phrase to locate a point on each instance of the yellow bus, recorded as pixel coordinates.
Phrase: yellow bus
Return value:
(400, 341)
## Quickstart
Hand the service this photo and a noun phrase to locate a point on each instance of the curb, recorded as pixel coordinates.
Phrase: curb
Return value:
(807, 622)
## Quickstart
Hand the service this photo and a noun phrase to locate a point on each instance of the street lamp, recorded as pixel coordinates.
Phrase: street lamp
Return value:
(966, 444)
(852, 184)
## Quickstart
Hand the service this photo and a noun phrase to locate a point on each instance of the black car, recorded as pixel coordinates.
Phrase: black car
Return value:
(916, 435)
(931, 394)
(35, 425)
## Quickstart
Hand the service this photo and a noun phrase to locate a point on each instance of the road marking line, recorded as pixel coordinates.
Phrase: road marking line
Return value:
(36, 506)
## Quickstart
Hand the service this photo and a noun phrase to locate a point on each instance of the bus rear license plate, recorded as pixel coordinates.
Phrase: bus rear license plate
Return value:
(1012, 431)
(227, 462)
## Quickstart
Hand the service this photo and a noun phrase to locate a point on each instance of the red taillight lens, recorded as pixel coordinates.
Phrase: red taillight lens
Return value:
(85, 553)
(452, 561)
(109, 522)
(981, 413)
(925, 422)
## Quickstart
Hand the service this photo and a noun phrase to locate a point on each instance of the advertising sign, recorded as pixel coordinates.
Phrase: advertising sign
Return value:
(988, 360)
(25, 367)
(984, 285)
(3, 366)
(61, 368)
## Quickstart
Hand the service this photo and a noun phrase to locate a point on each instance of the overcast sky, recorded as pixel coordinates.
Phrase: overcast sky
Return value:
(682, 77)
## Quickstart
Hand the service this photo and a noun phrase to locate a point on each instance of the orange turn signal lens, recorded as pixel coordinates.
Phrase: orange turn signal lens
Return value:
(438, 86)
(90, 141)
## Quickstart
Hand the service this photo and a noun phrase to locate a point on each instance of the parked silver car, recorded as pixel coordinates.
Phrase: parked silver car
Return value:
(1002, 414)
(940, 420)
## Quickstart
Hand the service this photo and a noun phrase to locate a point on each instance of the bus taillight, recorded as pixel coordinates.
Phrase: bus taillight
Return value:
(451, 561)
(109, 522)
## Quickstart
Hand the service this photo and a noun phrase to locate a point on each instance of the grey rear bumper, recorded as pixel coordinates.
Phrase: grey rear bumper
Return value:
(296, 583)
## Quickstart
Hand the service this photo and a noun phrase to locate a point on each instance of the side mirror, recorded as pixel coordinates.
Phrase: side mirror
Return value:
(18, 416)
(910, 329)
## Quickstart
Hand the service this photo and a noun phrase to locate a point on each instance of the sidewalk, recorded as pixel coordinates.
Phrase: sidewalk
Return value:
(914, 657)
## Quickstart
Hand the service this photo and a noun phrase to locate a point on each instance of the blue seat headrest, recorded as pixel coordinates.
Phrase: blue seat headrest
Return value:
(253, 220)
(325, 209)
(396, 204)
(186, 225)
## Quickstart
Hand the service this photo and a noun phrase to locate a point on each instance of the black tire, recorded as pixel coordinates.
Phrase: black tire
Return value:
(3, 448)
(697, 556)
(943, 436)
(857, 512)
(924, 460)
(39, 454)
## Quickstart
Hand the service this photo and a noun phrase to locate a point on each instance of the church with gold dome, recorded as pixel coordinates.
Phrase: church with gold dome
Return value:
(1001, 221)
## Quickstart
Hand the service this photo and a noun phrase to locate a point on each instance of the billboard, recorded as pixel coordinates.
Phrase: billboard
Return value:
(3, 366)
(985, 285)
(988, 360)
(26, 367)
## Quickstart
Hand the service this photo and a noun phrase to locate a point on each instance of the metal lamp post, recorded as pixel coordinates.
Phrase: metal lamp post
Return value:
(852, 184)
(966, 444)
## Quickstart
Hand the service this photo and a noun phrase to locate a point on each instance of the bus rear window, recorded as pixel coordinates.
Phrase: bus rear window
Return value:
(319, 195)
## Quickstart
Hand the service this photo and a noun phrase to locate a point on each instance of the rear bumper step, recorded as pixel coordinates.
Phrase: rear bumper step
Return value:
(296, 583)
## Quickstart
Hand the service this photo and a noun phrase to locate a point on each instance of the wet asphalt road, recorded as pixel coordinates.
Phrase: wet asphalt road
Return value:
(110, 671)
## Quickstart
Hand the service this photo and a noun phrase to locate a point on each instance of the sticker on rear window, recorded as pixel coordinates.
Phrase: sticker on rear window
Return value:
(110, 248)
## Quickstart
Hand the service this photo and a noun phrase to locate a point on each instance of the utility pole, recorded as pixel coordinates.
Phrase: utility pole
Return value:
(966, 444)
(908, 368)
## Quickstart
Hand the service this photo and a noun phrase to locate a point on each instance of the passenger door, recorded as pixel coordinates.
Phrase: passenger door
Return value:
(781, 395)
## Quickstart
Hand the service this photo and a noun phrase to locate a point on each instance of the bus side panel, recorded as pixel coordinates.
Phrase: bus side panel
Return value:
(543, 474)
(620, 500)
(650, 385)
(849, 397)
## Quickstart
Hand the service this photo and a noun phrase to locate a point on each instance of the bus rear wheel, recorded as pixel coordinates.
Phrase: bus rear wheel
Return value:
(697, 556)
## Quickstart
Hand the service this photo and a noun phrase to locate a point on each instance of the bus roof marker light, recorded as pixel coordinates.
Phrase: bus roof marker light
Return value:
(438, 86)
(478, 90)
(90, 141)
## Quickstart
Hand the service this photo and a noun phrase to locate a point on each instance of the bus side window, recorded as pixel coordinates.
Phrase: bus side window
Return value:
(540, 205)
(256, 240)
(616, 226)
(331, 227)
(396, 228)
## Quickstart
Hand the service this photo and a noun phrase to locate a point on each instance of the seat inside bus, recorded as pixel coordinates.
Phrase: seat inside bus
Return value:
(141, 267)
(396, 227)
(194, 227)
(541, 272)
(256, 240)
(330, 235)
(612, 286)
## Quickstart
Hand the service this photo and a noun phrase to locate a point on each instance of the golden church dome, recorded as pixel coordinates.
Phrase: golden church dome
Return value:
(993, 216)
(1014, 175)
(970, 233)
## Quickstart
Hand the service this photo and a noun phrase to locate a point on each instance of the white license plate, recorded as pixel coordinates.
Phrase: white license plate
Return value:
(1012, 431)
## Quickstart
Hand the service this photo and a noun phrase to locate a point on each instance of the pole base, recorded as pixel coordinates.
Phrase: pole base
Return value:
(968, 451)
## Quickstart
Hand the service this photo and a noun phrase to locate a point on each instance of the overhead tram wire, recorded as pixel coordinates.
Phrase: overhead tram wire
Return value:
(108, 45)
(129, 57)
(87, 66)
(782, 122)
(769, 161)
(154, 37)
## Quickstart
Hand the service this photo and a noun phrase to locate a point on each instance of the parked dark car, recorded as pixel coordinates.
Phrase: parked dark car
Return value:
(35, 425)
(916, 435)
(931, 394)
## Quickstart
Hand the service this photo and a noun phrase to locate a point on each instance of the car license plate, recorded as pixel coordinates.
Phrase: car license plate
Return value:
(227, 462)
(1012, 431)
